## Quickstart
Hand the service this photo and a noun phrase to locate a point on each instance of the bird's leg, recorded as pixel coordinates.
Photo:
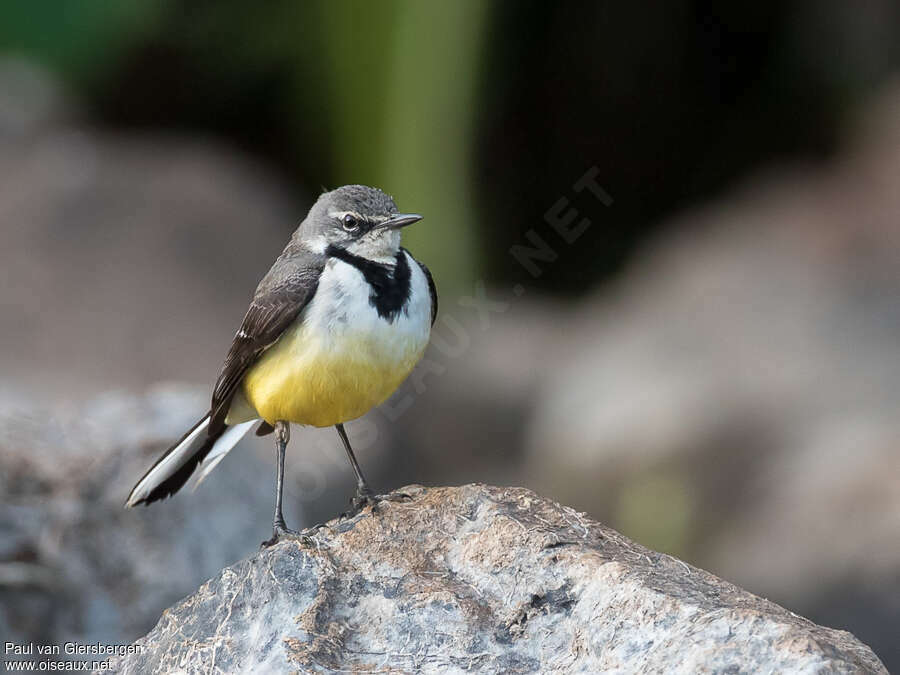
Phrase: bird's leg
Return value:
(279, 527)
(364, 495)
(282, 438)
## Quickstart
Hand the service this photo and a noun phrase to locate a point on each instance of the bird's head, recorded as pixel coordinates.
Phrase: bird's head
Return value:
(362, 220)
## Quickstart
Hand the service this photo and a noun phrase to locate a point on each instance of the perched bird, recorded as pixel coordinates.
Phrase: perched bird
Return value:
(334, 327)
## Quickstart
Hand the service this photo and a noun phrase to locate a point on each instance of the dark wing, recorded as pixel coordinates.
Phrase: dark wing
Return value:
(279, 299)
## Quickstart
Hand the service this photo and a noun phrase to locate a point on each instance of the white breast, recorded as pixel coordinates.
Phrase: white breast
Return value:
(340, 314)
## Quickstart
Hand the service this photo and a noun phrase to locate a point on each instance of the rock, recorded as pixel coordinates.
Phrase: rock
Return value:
(730, 399)
(74, 564)
(481, 578)
(733, 398)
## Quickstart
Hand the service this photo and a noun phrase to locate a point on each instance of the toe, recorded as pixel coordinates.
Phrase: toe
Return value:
(394, 497)
(280, 533)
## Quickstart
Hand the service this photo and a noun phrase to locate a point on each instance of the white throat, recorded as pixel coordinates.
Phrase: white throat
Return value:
(378, 246)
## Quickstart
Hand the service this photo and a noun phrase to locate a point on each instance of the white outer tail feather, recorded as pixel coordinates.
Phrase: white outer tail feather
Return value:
(222, 447)
(181, 453)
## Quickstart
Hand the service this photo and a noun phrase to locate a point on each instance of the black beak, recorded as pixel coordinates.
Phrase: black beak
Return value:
(398, 220)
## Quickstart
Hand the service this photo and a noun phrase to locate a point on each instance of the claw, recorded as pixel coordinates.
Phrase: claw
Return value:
(365, 497)
(280, 532)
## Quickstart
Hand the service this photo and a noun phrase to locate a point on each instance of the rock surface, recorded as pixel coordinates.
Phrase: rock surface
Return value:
(74, 564)
(481, 578)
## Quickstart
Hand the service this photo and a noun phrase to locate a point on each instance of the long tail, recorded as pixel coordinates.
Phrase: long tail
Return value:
(171, 471)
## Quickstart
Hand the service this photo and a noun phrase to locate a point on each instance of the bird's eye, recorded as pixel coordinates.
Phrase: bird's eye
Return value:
(350, 222)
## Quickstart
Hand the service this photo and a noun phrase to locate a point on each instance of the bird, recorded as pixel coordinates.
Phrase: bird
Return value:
(334, 327)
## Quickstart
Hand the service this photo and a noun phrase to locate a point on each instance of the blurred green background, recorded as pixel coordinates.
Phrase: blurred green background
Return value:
(478, 114)
(712, 368)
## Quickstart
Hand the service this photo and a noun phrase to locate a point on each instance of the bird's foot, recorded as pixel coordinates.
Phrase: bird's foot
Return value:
(365, 497)
(280, 532)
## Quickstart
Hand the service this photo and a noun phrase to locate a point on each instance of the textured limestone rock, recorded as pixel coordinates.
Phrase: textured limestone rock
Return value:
(481, 578)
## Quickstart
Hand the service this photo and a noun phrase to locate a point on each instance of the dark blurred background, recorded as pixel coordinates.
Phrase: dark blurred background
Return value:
(711, 367)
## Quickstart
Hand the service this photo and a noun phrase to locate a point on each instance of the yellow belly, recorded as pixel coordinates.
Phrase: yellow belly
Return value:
(305, 381)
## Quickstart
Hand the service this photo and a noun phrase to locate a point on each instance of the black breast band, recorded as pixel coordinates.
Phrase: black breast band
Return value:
(390, 286)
